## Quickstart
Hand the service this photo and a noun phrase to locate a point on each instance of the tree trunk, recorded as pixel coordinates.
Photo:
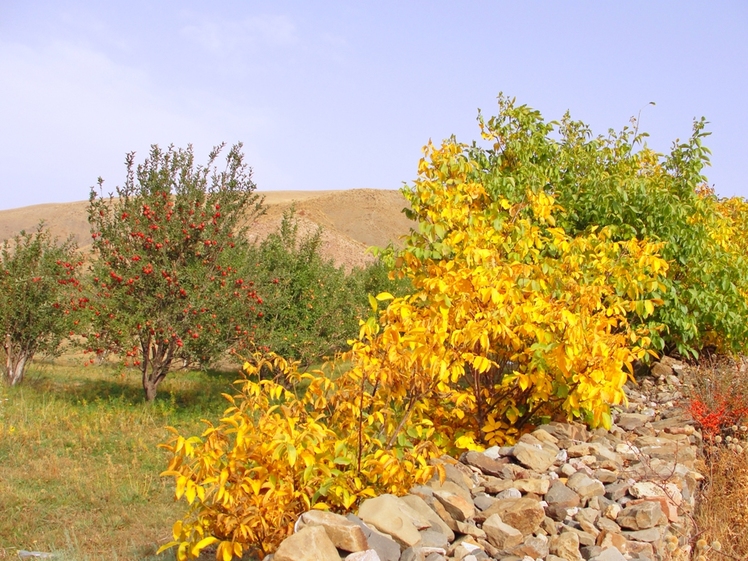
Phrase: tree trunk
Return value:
(16, 360)
(155, 365)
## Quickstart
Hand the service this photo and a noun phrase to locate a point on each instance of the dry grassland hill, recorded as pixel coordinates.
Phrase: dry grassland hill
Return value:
(351, 220)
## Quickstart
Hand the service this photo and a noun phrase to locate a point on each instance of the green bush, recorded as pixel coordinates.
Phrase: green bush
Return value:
(311, 308)
(617, 181)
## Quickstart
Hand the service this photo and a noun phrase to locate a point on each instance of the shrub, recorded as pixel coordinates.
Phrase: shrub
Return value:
(311, 307)
(617, 182)
(38, 298)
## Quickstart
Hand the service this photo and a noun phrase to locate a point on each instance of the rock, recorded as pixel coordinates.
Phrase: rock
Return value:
(368, 555)
(641, 516)
(585, 486)
(560, 495)
(386, 548)
(458, 507)
(649, 535)
(632, 421)
(419, 553)
(437, 523)
(534, 456)
(308, 544)
(432, 538)
(661, 370)
(609, 554)
(535, 547)
(488, 465)
(343, 533)
(451, 487)
(611, 539)
(524, 514)
(566, 546)
(532, 485)
(501, 535)
(391, 515)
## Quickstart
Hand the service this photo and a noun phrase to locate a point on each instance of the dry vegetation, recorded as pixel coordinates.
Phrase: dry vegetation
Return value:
(722, 510)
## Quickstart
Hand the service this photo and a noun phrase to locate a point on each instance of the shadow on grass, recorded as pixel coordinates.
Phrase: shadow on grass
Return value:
(181, 390)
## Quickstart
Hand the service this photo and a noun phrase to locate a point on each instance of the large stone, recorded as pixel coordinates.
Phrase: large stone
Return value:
(308, 544)
(500, 534)
(488, 465)
(419, 505)
(346, 535)
(387, 549)
(641, 516)
(524, 514)
(560, 495)
(534, 456)
(391, 515)
(458, 507)
(585, 486)
(451, 487)
(566, 546)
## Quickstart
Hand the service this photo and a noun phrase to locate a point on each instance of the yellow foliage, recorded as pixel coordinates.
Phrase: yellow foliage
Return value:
(511, 321)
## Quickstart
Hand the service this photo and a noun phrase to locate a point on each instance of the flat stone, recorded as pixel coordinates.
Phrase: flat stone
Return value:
(308, 544)
(433, 538)
(585, 486)
(389, 514)
(458, 507)
(488, 465)
(343, 533)
(534, 456)
(500, 534)
(607, 525)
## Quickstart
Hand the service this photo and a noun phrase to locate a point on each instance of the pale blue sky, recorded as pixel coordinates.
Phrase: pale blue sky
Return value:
(342, 95)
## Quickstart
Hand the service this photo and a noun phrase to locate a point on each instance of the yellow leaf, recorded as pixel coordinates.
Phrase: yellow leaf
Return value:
(202, 544)
(373, 303)
(382, 296)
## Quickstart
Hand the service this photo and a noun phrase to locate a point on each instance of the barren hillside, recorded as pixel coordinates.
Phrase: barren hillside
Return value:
(352, 221)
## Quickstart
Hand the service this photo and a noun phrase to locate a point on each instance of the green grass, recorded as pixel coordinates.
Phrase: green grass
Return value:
(79, 462)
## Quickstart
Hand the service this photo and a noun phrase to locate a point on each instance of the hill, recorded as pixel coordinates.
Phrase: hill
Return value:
(351, 220)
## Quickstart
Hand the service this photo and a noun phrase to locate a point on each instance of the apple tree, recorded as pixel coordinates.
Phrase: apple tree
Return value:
(168, 245)
(38, 297)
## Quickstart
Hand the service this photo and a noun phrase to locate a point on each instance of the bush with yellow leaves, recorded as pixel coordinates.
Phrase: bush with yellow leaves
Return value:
(512, 321)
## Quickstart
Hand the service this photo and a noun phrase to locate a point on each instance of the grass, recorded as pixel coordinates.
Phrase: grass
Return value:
(79, 462)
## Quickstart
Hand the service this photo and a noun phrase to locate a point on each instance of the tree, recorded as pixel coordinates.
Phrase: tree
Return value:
(168, 248)
(38, 295)
(312, 307)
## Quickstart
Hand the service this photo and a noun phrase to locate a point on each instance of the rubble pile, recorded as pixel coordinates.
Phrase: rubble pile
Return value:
(562, 493)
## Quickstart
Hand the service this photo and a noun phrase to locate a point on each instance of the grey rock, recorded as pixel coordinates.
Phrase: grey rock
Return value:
(387, 549)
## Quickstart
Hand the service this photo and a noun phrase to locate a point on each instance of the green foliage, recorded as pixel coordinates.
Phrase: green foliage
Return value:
(616, 181)
(311, 308)
(168, 245)
(38, 298)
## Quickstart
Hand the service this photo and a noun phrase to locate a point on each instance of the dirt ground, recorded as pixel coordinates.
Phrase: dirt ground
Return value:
(352, 220)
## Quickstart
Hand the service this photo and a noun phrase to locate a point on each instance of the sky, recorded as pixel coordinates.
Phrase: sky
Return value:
(344, 95)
